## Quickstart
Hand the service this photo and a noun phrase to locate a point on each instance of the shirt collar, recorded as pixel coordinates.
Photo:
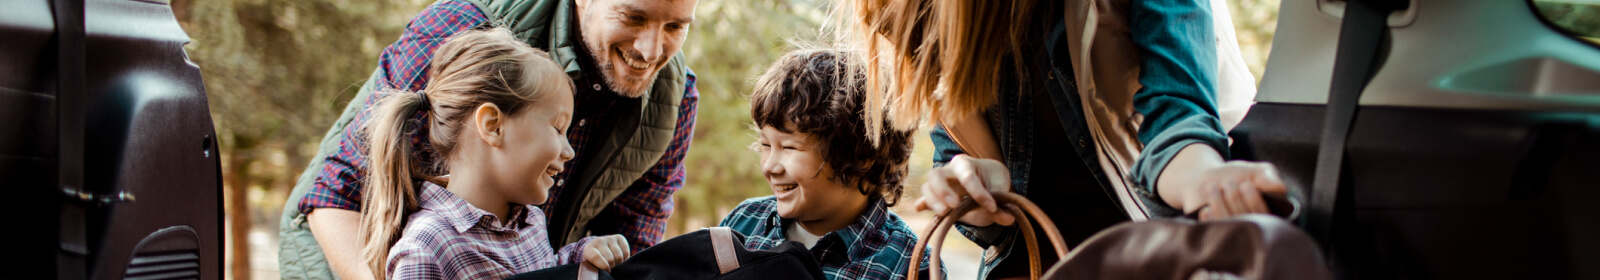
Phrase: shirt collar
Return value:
(862, 237)
(462, 215)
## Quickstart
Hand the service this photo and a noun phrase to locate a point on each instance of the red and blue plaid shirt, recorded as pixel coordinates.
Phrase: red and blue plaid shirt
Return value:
(640, 213)
(451, 239)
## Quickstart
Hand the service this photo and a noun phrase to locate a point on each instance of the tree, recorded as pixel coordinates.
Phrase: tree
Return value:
(277, 74)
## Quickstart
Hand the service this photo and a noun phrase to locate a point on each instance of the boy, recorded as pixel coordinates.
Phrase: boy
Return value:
(832, 188)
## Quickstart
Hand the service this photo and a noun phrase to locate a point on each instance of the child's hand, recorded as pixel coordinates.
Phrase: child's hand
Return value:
(607, 251)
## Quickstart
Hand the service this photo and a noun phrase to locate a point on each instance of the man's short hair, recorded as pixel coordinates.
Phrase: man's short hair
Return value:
(822, 92)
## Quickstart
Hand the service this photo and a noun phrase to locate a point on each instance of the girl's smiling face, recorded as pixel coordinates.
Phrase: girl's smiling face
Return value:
(535, 149)
(800, 179)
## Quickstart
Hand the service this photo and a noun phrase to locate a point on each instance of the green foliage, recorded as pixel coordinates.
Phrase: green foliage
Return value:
(1580, 19)
(1254, 22)
(278, 73)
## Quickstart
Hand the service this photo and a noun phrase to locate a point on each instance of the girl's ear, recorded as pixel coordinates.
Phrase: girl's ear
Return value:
(582, 5)
(488, 119)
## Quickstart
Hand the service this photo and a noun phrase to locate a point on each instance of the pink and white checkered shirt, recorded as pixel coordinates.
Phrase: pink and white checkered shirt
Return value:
(451, 239)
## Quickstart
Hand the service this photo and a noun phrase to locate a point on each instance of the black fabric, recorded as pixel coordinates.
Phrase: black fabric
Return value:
(690, 256)
(1423, 207)
(591, 100)
(563, 272)
(71, 262)
(595, 106)
(590, 107)
(1063, 184)
(1059, 179)
(1063, 187)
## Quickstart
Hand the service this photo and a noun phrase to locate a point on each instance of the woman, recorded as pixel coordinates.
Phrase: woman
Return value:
(1100, 111)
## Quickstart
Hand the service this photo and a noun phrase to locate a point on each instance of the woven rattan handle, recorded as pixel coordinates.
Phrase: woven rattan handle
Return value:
(1011, 202)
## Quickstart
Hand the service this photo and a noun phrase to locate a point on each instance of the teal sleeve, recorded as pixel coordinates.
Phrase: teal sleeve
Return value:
(1178, 71)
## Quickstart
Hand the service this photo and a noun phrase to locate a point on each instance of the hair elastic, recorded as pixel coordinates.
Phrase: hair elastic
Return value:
(424, 97)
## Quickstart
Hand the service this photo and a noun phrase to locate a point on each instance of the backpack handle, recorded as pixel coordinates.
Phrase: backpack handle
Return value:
(722, 246)
(1010, 202)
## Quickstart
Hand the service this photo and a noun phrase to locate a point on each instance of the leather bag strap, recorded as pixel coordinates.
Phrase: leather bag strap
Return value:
(722, 245)
(1014, 203)
(973, 136)
(1360, 39)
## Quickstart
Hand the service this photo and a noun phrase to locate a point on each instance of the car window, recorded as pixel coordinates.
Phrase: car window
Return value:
(1579, 18)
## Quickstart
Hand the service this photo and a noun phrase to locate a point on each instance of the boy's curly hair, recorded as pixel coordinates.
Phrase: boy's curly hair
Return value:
(822, 92)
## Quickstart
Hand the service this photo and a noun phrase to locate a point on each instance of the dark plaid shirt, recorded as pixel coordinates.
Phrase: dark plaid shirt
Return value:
(877, 246)
(640, 213)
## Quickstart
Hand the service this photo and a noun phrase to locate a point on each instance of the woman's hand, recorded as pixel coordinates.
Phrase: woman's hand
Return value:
(1198, 180)
(964, 176)
(605, 252)
(1238, 188)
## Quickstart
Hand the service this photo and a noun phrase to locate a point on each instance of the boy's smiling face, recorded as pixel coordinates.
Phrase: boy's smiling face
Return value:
(800, 179)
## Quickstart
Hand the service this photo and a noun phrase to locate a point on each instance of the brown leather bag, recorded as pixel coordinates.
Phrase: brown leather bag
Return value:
(1244, 247)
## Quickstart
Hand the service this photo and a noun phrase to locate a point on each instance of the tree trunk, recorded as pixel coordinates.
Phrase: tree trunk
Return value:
(295, 166)
(237, 181)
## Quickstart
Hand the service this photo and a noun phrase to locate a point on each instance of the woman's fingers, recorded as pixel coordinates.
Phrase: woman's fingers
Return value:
(935, 191)
(977, 219)
(1003, 218)
(1251, 199)
(995, 175)
(1268, 182)
(966, 170)
(1218, 206)
(966, 176)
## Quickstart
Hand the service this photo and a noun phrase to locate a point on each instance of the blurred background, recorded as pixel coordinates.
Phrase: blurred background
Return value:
(280, 72)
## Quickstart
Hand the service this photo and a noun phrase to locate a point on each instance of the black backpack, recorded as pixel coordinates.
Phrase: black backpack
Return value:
(713, 253)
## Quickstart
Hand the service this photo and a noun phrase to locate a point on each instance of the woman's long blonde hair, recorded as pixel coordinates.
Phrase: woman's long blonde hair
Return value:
(938, 59)
(470, 69)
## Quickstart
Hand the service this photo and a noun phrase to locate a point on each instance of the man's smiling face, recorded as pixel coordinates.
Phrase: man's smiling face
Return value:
(630, 40)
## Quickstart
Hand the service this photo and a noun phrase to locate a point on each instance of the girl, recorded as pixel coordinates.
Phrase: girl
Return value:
(498, 113)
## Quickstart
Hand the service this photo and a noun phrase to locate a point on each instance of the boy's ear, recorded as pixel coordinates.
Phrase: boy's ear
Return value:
(487, 120)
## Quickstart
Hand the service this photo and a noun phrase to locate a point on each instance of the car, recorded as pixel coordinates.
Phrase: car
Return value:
(107, 146)
(1470, 151)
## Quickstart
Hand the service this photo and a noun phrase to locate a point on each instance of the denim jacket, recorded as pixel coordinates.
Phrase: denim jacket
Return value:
(1174, 99)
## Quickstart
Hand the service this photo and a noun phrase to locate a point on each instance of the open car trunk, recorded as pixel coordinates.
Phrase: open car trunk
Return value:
(1474, 152)
(106, 144)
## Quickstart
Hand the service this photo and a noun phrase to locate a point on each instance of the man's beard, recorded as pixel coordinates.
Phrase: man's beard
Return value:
(606, 71)
(609, 74)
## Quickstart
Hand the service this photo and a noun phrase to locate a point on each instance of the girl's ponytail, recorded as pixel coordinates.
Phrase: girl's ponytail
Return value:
(390, 191)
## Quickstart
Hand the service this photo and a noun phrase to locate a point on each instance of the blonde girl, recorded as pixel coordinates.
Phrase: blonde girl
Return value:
(497, 113)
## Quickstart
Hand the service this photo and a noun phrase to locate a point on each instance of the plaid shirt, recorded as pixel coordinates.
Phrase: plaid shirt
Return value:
(640, 213)
(451, 239)
(877, 246)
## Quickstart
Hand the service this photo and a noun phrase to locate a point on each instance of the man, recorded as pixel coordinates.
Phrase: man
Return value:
(633, 119)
